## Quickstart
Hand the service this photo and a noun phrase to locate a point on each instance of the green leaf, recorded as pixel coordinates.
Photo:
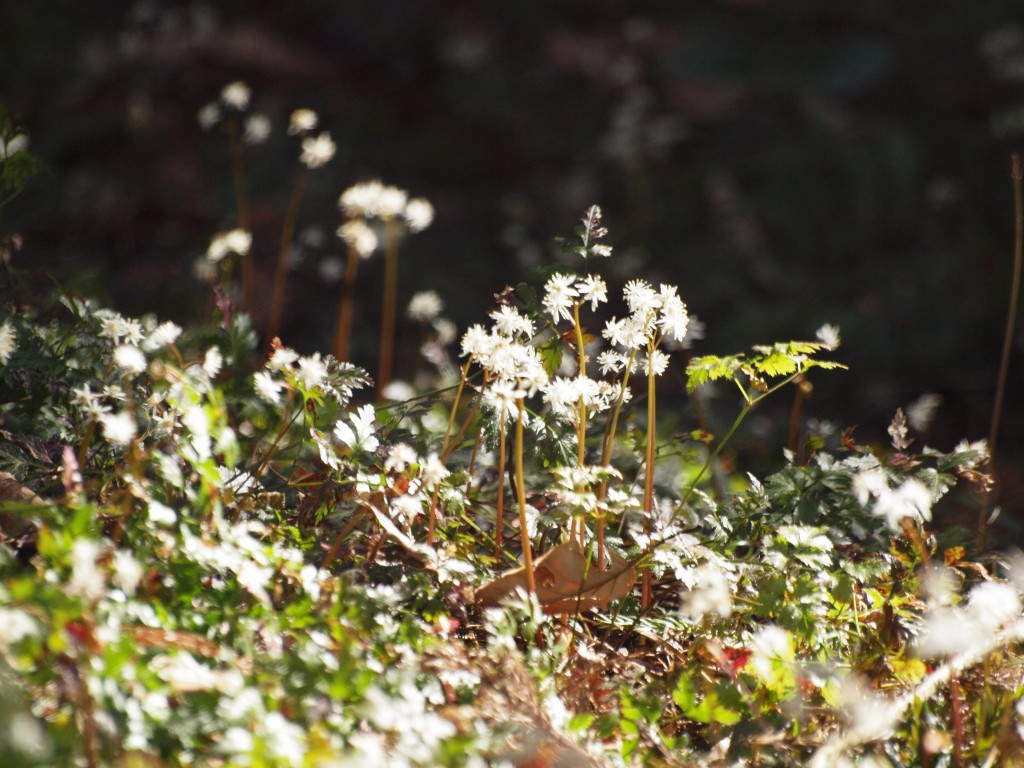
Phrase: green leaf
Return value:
(701, 370)
(551, 354)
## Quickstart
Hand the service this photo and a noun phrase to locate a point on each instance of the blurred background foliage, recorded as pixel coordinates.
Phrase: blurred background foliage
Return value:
(786, 163)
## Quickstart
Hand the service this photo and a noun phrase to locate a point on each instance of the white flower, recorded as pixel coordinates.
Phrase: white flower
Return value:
(508, 322)
(286, 741)
(657, 362)
(709, 593)
(592, 288)
(234, 241)
(359, 237)
(302, 120)
(992, 604)
(163, 335)
(267, 387)
(771, 644)
(86, 581)
(129, 359)
(209, 116)
(127, 572)
(673, 319)
(118, 428)
(312, 371)
(391, 202)
(362, 433)
(476, 341)
(236, 95)
(8, 342)
(912, 499)
(212, 361)
(361, 200)
(257, 129)
(640, 297)
(432, 472)
(161, 514)
(559, 296)
(283, 358)
(16, 625)
(317, 151)
(400, 456)
(921, 412)
(828, 335)
(418, 214)
(425, 306)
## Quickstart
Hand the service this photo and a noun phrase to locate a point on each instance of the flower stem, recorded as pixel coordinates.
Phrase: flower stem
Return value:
(244, 212)
(1011, 318)
(343, 326)
(499, 522)
(387, 319)
(281, 273)
(645, 598)
(521, 500)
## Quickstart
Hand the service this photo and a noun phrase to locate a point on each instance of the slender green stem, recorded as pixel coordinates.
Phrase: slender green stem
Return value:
(287, 238)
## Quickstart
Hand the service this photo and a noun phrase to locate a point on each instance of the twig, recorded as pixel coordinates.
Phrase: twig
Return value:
(1011, 319)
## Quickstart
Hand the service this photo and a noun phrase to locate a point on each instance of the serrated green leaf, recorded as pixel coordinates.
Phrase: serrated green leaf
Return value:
(551, 355)
(701, 370)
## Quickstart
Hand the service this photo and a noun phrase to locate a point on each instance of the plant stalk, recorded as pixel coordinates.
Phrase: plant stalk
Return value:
(1011, 319)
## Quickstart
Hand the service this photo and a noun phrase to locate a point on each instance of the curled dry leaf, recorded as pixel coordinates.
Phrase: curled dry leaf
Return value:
(565, 582)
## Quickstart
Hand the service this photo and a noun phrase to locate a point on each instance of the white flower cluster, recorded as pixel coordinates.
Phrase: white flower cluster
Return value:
(234, 100)
(911, 499)
(375, 200)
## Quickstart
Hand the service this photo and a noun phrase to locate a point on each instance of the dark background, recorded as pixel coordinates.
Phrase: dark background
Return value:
(785, 163)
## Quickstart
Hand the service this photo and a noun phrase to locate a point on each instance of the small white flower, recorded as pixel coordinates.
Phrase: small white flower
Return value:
(432, 472)
(359, 237)
(361, 200)
(312, 371)
(163, 335)
(127, 572)
(8, 342)
(657, 362)
(87, 580)
(283, 358)
(640, 297)
(213, 361)
(362, 433)
(418, 214)
(400, 456)
(118, 428)
(267, 387)
(425, 306)
(391, 202)
(592, 288)
(317, 151)
(828, 335)
(234, 241)
(236, 94)
(560, 296)
(257, 129)
(129, 359)
(209, 116)
(302, 120)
